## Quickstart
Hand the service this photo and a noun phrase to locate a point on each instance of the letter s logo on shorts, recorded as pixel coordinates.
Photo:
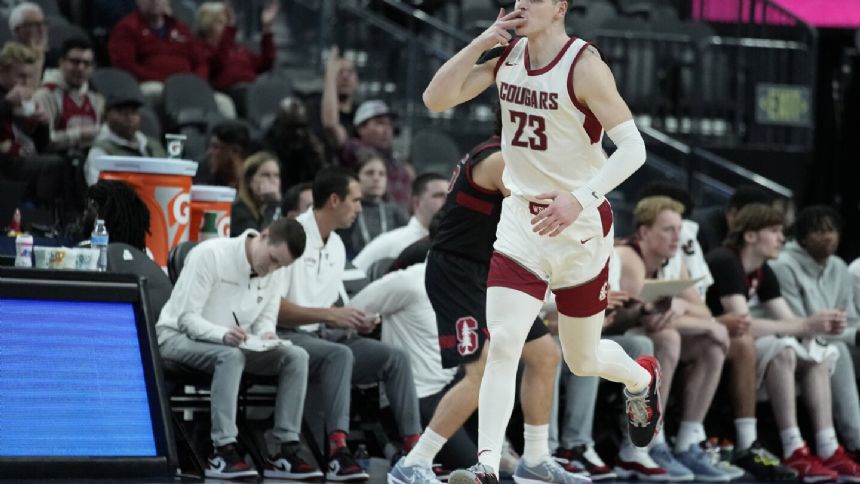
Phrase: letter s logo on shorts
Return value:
(467, 335)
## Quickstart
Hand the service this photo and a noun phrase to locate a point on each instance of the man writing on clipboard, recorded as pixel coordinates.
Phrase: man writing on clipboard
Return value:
(682, 330)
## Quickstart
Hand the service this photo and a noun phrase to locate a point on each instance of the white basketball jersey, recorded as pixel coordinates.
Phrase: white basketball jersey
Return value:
(550, 141)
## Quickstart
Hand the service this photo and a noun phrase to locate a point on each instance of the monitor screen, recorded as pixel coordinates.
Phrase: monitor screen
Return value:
(81, 388)
(72, 380)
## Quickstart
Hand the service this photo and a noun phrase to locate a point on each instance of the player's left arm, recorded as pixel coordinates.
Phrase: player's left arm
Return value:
(594, 87)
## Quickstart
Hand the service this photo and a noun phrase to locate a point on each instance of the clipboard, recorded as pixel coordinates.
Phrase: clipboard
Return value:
(654, 289)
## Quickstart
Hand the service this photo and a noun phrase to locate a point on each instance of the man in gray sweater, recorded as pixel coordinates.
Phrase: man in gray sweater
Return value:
(812, 278)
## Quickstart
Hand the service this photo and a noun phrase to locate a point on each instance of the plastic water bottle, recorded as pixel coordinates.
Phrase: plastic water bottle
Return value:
(99, 240)
(362, 457)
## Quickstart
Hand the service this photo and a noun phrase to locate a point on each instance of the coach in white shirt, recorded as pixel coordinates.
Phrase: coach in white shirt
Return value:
(225, 299)
(339, 356)
(428, 196)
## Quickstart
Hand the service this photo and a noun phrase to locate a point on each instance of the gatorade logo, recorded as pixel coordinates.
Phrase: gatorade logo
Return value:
(224, 226)
(175, 204)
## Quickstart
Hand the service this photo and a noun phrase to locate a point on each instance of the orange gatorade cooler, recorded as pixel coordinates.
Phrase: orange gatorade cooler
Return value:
(208, 198)
(164, 185)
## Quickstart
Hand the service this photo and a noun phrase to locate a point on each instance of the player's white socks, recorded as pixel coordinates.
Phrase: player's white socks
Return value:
(746, 432)
(509, 317)
(536, 448)
(791, 440)
(689, 433)
(588, 355)
(426, 449)
(826, 443)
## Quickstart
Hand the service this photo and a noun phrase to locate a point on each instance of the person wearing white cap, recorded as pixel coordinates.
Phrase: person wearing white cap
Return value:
(374, 126)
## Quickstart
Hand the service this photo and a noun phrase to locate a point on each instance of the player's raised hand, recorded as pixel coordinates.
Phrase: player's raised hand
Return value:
(561, 212)
(497, 34)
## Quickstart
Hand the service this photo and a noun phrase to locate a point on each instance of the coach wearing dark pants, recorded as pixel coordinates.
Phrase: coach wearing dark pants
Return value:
(339, 356)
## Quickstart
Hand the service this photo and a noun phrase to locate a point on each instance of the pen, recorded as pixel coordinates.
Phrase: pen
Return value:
(235, 318)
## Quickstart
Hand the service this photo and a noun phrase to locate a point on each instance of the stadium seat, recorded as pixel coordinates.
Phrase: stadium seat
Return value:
(434, 151)
(50, 8)
(107, 80)
(125, 259)
(150, 125)
(263, 98)
(176, 259)
(189, 100)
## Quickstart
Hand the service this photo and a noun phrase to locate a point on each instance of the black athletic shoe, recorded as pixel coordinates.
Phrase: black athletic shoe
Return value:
(226, 463)
(644, 417)
(343, 467)
(763, 465)
(289, 464)
(477, 474)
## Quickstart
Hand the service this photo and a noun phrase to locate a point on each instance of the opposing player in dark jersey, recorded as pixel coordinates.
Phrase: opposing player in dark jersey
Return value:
(456, 282)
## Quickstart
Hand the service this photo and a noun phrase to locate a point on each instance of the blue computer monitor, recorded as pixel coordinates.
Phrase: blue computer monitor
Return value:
(80, 384)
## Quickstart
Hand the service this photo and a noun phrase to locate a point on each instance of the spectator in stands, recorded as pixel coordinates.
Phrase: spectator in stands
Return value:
(428, 196)
(259, 200)
(107, 13)
(786, 346)
(377, 216)
(374, 126)
(297, 200)
(121, 135)
(297, 146)
(714, 223)
(813, 278)
(228, 146)
(152, 46)
(126, 216)
(337, 110)
(573, 447)
(231, 64)
(226, 298)
(27, 24)
(682, 330)
(74, 110)
(338, 353)
(24, 130)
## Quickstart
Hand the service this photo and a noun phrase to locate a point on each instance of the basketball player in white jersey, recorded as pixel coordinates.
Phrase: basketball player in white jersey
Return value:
(555, 232)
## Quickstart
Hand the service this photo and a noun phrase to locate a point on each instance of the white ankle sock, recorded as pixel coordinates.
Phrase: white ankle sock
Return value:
(658, 439)
(689, 433)
(826, 443)
(426, 449)
(746, 432)
(791, 440)
(536, 446)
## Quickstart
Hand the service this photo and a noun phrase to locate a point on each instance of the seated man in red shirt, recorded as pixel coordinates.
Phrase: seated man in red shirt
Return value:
(152, 45)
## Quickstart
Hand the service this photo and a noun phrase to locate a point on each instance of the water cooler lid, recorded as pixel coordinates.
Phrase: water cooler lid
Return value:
(154, 166)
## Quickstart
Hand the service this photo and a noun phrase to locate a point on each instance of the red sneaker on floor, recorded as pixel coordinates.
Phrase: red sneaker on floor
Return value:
(842, 463)
(809, 467)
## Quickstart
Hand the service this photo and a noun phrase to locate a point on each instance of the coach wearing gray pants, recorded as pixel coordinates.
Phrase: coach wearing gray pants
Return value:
(339, 355)
(221, 319)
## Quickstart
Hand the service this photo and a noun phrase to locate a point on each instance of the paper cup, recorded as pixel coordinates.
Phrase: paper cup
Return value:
(41, 255)
(86, 259)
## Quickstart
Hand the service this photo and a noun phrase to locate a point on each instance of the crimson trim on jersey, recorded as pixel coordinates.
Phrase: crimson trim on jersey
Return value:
(505, 272)
(546, 68)
(473, 203)
(606, 216)
(505, 56)
(590, 124)
(586, 299)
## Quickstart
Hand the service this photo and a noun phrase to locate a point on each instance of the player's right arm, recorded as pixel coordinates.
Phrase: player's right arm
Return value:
(488, 173)
(459, 79)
